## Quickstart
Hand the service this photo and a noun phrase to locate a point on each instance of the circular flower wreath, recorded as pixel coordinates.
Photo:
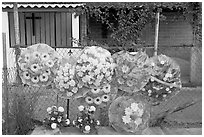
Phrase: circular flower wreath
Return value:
(94, 67)
(131, 71)
(100, 97)
(37, 65)
(130, 114)
(165, 79)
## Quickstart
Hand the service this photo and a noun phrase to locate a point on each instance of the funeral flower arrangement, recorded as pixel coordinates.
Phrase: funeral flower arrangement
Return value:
(130, 114)
(65, 80)
(131, 70)
(165, 79)
(85, 121)
(56, 118)
(37, 65)
(94, 67)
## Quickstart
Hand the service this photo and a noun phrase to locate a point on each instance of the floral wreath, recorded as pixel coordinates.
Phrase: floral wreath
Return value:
(131, 72)
(85, 120)
(94, 67)
(165, 80)
(37, 65)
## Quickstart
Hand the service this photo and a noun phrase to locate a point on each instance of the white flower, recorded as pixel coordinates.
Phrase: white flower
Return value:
(87, 128)
(60, 109)
(49, 109)
(121, 80)
(80, 74)
(128, 111)
(130, 83)
(125, 68)
(149, 91)
(53, 125)
(72, 83)
(139, 112)
(167, 89)
(126, 119)
(59, 120)
(75, 90)
(50, 63)
(95, 90)
(27, 58)
(92, 108)
(98, 122)
(73, 122)
(52, 118)
(107, 88)
(81, 108)
(80, 120)
(23, 66)
(36, 54)
(35, 79)
(138, 121)
(98, 101)
(48, 72)
(55, 112)
(80, 84)
(168, 75)
(134, 106)
(105, 98)
(26, 75)
(71, 71)
(69, 94)
(97, 83)
(97, 71)
(44, 77)
(89, 100)
(68, 121)
(162, 62)
(34, 67)
(45, 56)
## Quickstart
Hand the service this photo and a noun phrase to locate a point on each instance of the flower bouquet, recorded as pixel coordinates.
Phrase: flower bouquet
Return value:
(94, 67)
(65, 80)
(37, 65)
(129, 114)
(56, 118)
(85, 120)
(131, 71)
(165, 79)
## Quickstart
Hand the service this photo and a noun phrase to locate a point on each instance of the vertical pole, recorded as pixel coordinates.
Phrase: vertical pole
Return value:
(17, 38)
(5, 84)
(156, 33)
(67, 108)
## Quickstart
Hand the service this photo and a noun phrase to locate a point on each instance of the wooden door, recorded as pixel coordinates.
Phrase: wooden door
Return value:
(52, 28)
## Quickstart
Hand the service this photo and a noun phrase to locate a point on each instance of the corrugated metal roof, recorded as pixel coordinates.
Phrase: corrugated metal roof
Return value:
(31, 5)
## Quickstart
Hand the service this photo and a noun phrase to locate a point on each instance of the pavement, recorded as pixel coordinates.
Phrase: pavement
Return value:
(111, 131)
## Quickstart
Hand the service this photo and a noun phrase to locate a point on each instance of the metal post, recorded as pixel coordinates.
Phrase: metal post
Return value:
(17, 38)
(67, 108)
(156, 33)
(5, 83)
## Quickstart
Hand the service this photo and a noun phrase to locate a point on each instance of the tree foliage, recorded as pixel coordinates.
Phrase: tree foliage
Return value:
(127, 19)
